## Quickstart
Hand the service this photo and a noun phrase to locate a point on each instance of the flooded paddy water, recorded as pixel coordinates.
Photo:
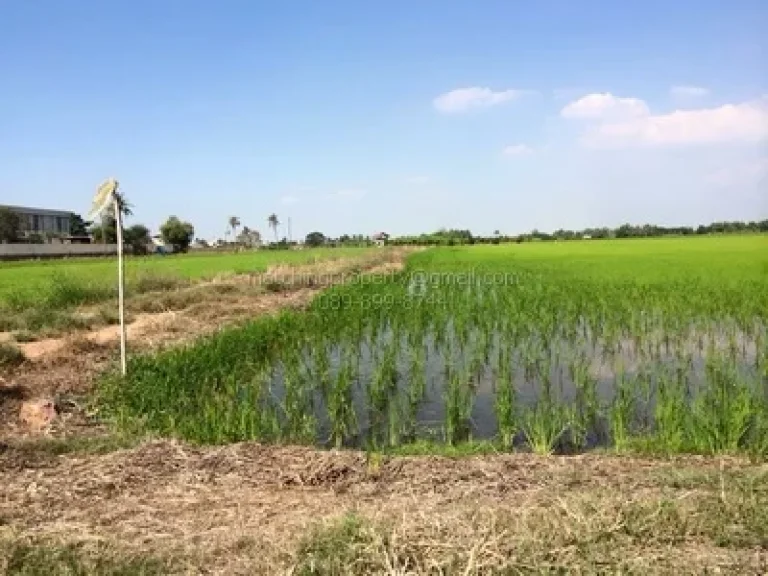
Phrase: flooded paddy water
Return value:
(536, 360)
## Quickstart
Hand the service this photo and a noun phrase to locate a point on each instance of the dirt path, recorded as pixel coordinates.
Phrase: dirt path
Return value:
(252, 509)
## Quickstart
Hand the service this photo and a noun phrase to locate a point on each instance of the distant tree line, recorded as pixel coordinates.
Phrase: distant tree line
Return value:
(460, 237)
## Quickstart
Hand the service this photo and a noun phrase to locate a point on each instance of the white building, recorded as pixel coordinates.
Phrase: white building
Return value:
(380, 238)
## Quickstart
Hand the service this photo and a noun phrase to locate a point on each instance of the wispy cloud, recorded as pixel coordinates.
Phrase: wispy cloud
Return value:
(745, 122)
(464, 99)
(625, 122)
(517, 150)
(688, 91)
(604, 106)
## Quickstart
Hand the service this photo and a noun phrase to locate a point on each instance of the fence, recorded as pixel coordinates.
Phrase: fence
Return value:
(26, 251)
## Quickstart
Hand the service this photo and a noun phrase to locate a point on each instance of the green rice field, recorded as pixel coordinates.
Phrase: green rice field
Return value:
(657, 345)
(34, 284)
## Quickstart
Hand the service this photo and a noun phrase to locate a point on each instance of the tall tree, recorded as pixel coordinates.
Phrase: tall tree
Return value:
(10, 225)
(315, 239)
(273, 222)
(107, 231)
(137, 237)
(177, 233)
(126, 208)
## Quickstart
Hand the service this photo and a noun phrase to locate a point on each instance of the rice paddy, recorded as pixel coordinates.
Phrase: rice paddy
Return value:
(54, 297)
(656, 345)
(32, 284)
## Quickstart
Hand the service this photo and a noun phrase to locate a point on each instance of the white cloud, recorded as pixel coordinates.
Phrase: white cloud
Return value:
(746, 122)
(516, 150)
(288, 200)
(464, 99)
(605, 106)
(689, 91)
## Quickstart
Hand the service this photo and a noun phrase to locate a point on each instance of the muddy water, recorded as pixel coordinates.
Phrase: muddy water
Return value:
(603, 367)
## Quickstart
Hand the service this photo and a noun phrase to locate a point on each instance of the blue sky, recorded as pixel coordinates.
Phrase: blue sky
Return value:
(352, 116)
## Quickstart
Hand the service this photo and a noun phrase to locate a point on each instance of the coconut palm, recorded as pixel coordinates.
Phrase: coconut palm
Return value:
(108, 216)
(126, 208)
(273, 222)
(234, 224)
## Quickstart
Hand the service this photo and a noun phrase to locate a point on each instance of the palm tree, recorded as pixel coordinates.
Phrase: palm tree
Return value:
(234, 224)
(273, 223)
(108, 216)
(126, 208)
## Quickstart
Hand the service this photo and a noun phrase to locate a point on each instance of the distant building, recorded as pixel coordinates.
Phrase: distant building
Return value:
(158, 246)
(380, 238)
(41, 221)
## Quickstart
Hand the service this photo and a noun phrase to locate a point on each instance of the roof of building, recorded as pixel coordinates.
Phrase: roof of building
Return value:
(41, 211)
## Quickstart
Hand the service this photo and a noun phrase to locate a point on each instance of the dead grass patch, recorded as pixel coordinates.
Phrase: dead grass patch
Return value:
(255, 509)
(157, 283)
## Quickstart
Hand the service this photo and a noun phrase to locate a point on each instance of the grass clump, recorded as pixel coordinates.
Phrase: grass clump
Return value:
(23, 336)
(10, 355)
(25, 557)
(156, 283)
(346, 546)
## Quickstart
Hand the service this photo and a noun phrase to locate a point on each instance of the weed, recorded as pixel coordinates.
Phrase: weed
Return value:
(10, 355)
(24, 336)
(39, 558)
(337, 548)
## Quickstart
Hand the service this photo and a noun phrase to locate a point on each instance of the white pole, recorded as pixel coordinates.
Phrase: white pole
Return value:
(120, 281)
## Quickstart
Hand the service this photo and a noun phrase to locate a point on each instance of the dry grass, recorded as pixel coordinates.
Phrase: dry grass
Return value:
(253, 509)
